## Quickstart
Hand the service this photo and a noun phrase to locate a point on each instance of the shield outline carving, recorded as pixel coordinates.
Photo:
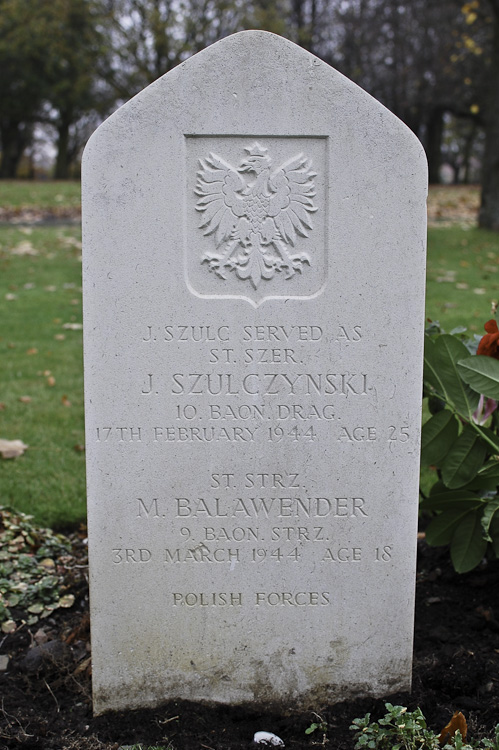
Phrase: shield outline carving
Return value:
(308, 282)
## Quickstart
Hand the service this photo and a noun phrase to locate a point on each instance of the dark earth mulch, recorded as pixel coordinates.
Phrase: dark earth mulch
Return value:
(46, 690)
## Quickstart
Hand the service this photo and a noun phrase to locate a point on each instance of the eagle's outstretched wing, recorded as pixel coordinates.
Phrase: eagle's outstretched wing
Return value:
(219, 186)
(291, 204)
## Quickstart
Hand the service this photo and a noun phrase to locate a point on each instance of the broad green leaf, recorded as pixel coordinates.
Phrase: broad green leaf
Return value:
(468, 545)
(452, 500)
(464, 459)
(441, 373)
(486, 479)
(437, 437)
(482, 374)
(489, 437)
(430, 373)
(490, 509)
(437, 488)
(435, 404)
(441, 529)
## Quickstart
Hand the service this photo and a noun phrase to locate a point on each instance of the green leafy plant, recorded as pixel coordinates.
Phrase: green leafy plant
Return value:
(398, 729)
(494, 743)
(401, 729)
(31, 571)
(461, 439)
(319, 725)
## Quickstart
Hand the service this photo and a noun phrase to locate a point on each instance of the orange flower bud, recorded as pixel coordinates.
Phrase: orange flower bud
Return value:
(489, 344)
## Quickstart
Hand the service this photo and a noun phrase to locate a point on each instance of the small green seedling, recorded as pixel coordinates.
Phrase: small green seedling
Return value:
(321, 725)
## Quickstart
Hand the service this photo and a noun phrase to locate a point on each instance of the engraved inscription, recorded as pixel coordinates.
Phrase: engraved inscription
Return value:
(266, 384)
(131, 555)
(268, 507)
(259, 598)
(269, 334)
(282, 413)
(275, 519)
(215, 599)
(256, 223)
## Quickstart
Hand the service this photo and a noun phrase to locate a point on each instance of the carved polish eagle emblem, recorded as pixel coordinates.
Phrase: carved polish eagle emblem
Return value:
(255, 222)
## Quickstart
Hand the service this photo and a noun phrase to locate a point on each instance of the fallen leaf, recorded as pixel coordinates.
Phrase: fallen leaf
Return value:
(48, 564)
(479, 291)
(449, 276)
(59, 336)
(8, 626)
(9, 297)
(65, 401)
(31, 351)
(2, 406)
(24, 248)
(50, 288)
(82, 666)
(73, 326)
(458, 722)
(40, 636)
(79, 448)
(12, 448)
(66, 601)
(51, 381)
(24, 399)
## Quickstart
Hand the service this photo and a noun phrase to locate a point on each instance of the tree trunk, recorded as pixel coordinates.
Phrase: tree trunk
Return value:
(61, 171)
(434, 145)
(489, 210)
(14, 140)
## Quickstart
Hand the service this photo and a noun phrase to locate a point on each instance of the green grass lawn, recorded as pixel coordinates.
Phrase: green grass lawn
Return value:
(41, 379)
(462, 277)
(31, 194)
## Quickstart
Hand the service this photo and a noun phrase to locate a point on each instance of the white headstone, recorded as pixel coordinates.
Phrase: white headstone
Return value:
(254, 246)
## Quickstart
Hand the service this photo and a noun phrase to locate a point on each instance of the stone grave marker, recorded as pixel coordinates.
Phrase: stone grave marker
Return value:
(254, 247)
